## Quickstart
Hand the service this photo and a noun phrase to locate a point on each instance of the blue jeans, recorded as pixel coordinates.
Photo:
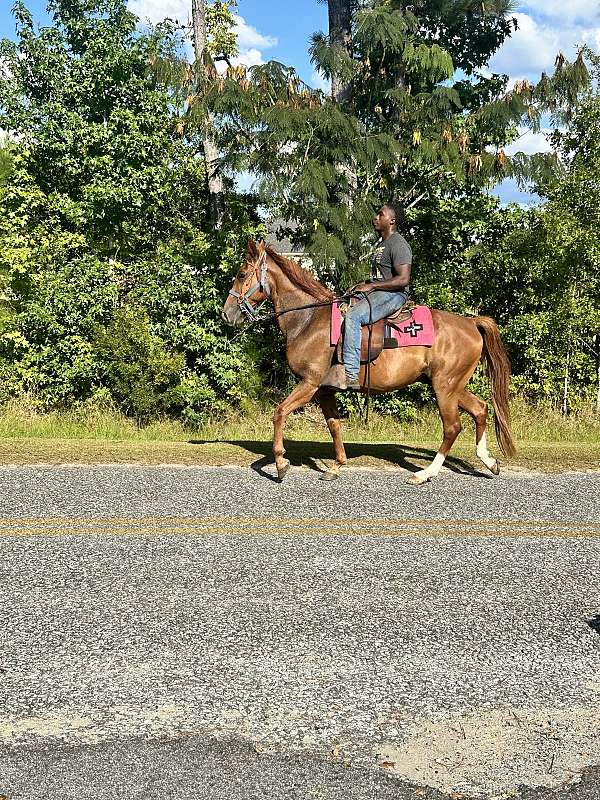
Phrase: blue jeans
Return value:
(382, 305)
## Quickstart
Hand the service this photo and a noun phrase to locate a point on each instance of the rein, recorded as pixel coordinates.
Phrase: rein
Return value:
(254, 316)
(252, 312)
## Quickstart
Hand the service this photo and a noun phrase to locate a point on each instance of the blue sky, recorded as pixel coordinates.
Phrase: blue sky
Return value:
(272, 29)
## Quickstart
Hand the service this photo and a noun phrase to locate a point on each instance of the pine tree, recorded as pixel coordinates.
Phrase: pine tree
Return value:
(211, 152)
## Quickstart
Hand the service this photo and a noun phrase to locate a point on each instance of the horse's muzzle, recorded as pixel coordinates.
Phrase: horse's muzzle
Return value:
(232, 314)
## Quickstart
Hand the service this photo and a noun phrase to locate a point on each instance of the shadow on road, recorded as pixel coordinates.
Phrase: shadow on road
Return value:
(310, 453)
(594, 623)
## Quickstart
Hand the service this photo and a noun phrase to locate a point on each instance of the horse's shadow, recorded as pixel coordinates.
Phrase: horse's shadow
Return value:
(310, 453)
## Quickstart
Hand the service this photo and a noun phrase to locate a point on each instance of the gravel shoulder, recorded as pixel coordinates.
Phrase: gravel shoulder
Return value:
(191, 769)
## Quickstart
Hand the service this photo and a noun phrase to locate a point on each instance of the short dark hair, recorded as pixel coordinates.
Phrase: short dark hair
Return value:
(398, 211)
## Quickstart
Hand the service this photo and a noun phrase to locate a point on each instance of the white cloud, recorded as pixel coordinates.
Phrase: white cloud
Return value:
(529, 142)
(245, 181)
(249, 38)
(156, 10)
(250, 41)
(582, 11)
(319, 81)
(250, 58)
(532, 49)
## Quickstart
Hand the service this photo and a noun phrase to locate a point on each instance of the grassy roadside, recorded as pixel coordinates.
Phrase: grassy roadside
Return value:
(544, 457)
(546, 441)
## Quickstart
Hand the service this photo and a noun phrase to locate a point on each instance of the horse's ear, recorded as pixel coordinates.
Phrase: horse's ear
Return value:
(251, 249)
(262, 244)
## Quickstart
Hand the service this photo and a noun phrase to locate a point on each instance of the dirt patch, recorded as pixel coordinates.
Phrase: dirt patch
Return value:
(493, 752)
(532, 457)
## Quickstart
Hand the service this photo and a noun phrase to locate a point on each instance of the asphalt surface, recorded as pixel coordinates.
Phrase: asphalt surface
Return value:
(208, 633)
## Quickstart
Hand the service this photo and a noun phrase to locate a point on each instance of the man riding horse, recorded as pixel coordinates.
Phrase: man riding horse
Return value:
(303, 309)
(387, 289)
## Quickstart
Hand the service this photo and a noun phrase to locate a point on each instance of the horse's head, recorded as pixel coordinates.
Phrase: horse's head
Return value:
(250, 288)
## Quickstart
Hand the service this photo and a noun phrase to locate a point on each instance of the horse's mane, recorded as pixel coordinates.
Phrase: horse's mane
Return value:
(300, 277)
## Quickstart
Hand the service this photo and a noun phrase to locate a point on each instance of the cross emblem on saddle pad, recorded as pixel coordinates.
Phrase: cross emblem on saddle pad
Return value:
(413, 329)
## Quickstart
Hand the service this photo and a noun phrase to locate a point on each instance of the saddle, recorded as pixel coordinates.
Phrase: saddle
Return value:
(380, 333)
(410, 325)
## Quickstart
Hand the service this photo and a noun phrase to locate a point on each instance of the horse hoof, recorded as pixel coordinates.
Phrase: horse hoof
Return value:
(495, 469)
(329, 476)
(283, 471)
(416, 480)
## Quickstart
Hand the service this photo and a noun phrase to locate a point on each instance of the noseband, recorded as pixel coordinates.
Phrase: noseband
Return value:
(242, 298)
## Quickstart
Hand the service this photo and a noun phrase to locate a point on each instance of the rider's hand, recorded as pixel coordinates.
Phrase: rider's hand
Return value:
(362, 287)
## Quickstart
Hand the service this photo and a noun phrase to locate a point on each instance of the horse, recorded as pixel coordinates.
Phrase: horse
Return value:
(302, 308)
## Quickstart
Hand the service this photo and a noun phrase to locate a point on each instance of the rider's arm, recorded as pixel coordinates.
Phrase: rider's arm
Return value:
(397, 282)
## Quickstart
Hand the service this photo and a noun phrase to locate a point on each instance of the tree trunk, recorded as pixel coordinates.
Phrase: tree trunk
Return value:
(598, 372)
(214, 179)
(340, 33)
(565, 401)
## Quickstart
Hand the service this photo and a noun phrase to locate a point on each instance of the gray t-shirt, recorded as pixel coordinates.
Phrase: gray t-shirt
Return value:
(389, 254)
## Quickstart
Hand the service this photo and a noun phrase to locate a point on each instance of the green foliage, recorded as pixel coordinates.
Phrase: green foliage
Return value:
(113, 280)
(142, 375)
(220, 25)
(407, 127)
(6, 162)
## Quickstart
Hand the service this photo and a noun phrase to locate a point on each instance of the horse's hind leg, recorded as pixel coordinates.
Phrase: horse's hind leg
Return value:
(298, 398)
(476, 407)
(448, 407)
(328, 405)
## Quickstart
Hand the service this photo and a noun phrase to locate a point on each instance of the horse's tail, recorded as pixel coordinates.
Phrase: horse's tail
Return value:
(498, 370)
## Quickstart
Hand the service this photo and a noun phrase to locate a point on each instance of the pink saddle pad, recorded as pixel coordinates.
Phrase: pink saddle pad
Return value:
(336, 324)
(417, 330)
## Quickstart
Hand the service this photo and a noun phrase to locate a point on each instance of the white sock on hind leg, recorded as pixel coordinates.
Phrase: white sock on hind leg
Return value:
(483, 453)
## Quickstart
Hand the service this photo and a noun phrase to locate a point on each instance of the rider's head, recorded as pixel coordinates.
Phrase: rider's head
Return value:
(389, 218)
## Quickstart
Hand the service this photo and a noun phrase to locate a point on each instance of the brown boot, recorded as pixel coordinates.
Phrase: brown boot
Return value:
(352, 382)
(336, 377)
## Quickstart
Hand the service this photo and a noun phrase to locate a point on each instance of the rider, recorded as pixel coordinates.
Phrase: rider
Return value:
(391, 267)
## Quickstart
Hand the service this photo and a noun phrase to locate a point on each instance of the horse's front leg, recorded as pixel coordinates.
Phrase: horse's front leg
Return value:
(301, 395)
(330, 411)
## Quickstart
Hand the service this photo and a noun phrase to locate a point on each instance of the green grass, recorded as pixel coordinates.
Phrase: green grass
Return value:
(529, 424)
(546, 440)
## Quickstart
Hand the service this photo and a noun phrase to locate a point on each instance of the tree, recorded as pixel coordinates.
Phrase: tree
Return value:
(94, 133)
(408, 128)
(104, 238)
(214, 41)
(571, 223)
(211, 152)
(340, 41)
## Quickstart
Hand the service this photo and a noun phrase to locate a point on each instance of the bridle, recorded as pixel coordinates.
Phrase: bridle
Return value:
(253, 312)
(261, 284)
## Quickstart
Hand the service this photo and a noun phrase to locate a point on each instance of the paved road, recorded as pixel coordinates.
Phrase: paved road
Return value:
(210, 633)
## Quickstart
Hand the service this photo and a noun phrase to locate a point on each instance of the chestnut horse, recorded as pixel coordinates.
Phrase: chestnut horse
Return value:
(459, 344)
